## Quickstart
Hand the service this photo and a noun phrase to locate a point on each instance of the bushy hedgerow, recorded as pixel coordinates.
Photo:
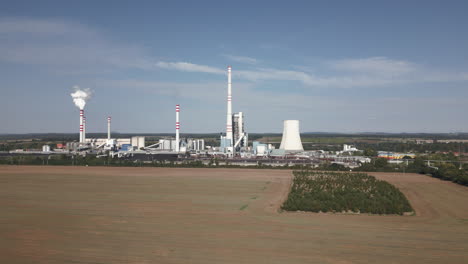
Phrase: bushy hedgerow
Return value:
(318, 191)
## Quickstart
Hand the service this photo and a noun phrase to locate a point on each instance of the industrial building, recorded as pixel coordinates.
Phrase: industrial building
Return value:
(395, 155)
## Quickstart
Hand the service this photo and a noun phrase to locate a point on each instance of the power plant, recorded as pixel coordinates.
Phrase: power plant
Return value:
(233, 143)
(233, 147)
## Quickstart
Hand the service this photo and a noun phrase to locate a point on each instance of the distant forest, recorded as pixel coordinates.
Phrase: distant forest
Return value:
(252, 136)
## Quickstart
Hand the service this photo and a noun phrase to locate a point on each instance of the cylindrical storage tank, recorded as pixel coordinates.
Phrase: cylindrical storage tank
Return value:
(126, 147)
(291, 140)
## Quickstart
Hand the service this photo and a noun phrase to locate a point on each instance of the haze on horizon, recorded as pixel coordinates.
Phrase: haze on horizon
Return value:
(376, 66)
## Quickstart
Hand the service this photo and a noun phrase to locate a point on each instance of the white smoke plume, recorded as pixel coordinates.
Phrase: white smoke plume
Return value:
(80, 96)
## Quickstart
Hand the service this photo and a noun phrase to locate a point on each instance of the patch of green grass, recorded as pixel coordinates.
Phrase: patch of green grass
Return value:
(243, 207)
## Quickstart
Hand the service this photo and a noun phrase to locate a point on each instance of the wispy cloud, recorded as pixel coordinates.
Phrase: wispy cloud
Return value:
(266, 74)
(241, 59)
(189, 67)
(367, 72)
(375, 65)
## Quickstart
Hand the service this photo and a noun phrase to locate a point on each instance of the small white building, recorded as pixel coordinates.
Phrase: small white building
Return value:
(46, 148)
(349, 148)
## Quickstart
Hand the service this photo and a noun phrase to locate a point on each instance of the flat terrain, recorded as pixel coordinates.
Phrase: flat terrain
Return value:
(164, 215)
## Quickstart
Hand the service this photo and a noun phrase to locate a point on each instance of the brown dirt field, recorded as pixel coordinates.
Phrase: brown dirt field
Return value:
(163, 215)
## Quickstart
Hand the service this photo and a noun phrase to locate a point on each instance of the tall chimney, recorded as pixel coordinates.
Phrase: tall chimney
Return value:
(177, 109)
(84, 129)
(81, 125)
(108, 127)
(229, 110)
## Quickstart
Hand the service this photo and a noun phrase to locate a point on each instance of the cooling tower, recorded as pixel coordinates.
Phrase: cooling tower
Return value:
(291, 140)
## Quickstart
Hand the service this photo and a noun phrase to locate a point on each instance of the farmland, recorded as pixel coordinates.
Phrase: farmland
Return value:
(166, 215)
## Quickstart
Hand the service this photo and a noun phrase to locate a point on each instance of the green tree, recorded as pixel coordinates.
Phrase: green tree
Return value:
(381, 162)
(370, 152)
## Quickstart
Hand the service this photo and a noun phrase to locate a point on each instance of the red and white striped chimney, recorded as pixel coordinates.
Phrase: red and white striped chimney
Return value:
(108, 127)
(229, 110)
(84, 129)
(81, 125)
(177, 146)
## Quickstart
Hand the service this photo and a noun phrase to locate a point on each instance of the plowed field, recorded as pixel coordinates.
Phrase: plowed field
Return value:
(162, 215)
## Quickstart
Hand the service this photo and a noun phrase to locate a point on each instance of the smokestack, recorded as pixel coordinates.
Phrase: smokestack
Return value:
(177, 109)
(108, 127)
(81, 125)
(84, 129)
(80, 96)
(229, 110)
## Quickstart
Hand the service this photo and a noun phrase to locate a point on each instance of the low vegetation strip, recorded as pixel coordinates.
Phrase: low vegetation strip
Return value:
(318, 191)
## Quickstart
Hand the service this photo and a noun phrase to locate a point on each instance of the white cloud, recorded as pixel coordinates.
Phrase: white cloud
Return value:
(371, 72)
(375, 65)
(189, 67)
(241, 59)
(268, 74)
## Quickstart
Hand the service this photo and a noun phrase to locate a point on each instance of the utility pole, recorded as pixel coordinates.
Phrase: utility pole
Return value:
(460, 155)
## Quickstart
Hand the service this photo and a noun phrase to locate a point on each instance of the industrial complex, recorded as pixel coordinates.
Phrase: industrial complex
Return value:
(234, 143)
(233, 147)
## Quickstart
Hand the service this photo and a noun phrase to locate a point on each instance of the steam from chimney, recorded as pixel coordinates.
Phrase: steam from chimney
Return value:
(80, 96)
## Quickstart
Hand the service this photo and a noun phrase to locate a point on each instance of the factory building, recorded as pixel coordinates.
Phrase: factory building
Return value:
(196, 144)
(190, 144)
(240, 136)
(138, 142)
(167, 144)
(395, 155)
(262, 149)
(104, 142)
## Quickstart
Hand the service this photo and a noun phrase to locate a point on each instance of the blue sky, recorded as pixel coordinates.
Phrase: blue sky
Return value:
(338, 66)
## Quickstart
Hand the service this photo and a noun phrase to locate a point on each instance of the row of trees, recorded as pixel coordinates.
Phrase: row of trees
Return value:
(93, 160)
(371, 149)
(318, 191)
